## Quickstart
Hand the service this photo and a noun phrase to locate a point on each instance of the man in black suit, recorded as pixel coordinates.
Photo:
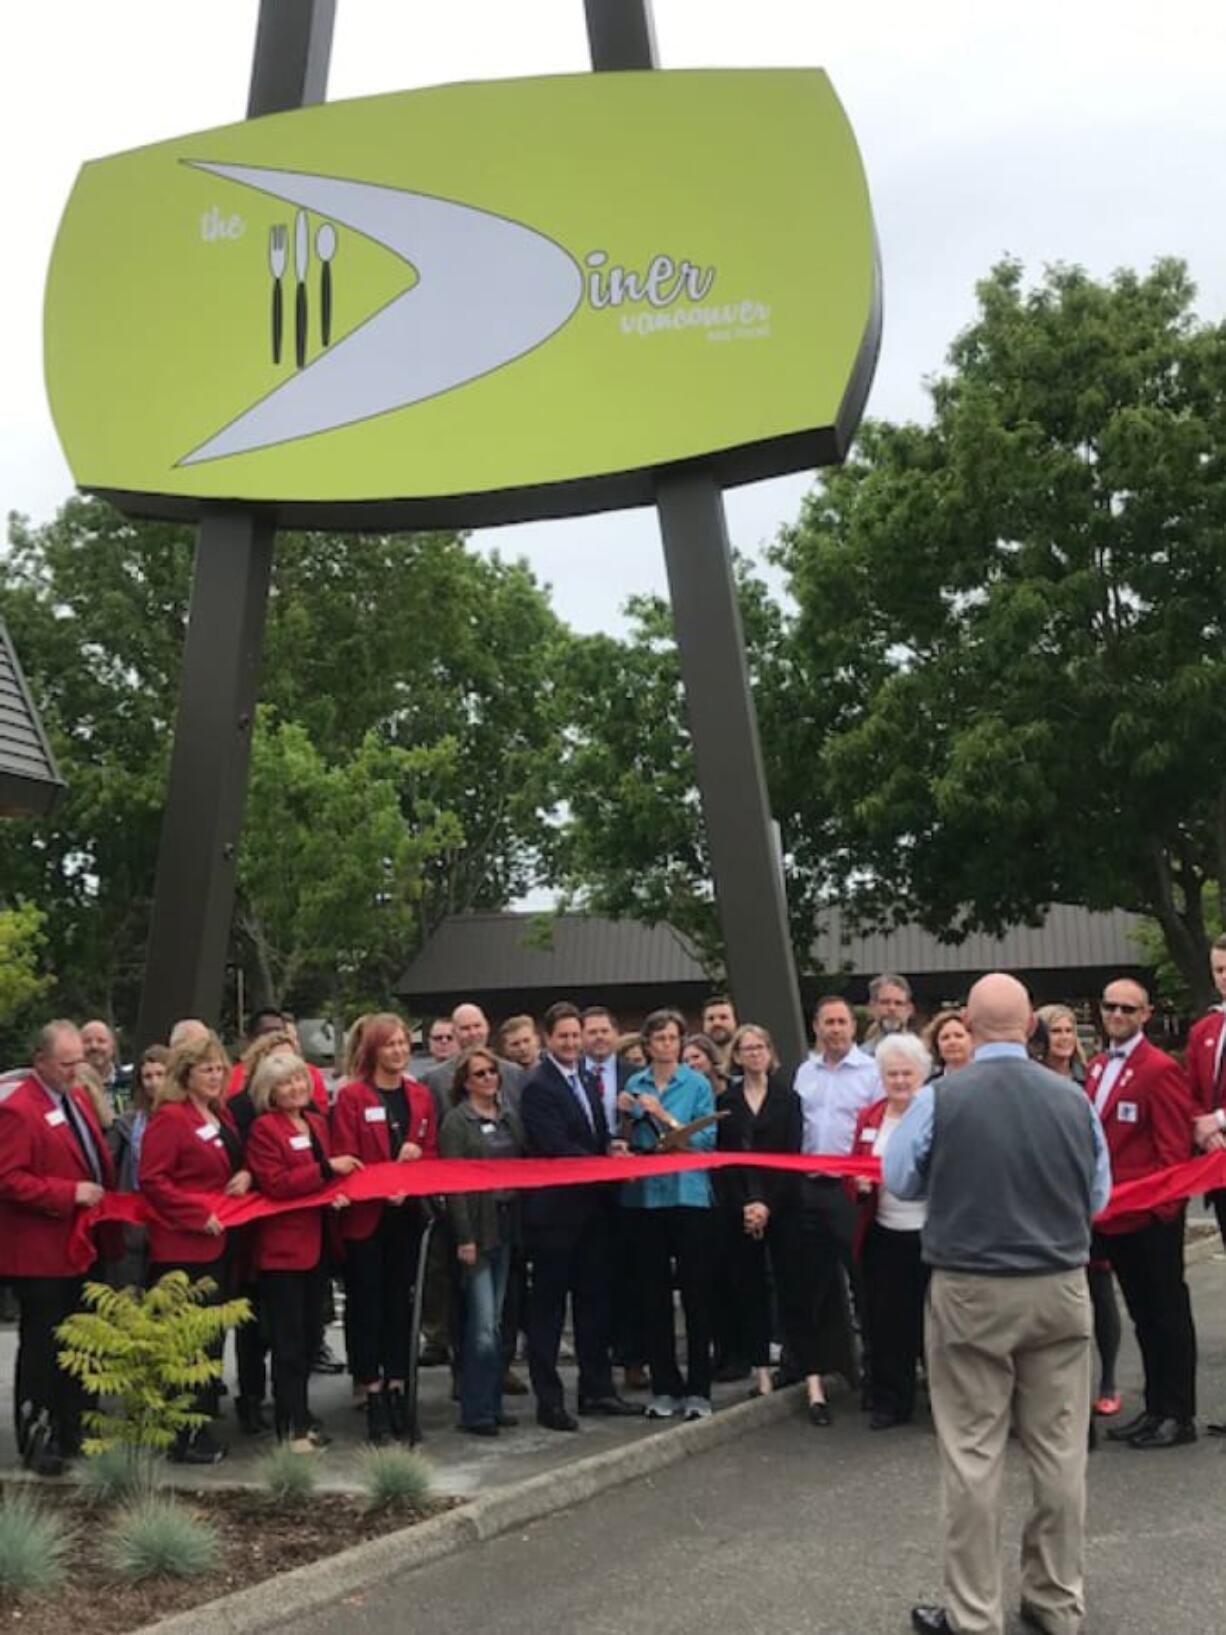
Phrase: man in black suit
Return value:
(567, 1229)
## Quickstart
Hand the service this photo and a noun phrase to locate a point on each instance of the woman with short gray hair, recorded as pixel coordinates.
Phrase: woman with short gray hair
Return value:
(887, 1243)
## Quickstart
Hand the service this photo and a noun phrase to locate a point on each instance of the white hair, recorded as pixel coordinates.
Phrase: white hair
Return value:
(909, 1047)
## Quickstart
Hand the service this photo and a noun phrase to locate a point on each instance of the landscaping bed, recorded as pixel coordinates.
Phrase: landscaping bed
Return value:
(258, 1535)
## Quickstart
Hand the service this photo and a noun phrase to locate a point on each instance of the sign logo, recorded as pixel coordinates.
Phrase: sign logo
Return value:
(470, 304)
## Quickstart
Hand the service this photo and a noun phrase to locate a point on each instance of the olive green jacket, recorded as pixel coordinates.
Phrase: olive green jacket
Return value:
(474, 1215)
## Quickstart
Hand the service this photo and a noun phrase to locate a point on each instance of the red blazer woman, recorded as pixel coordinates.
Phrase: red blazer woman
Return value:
(237, 1083)
(359, 1126)
(181, 1158)
(283, 1164)
(1147, 1120)
(41, 1163)
(868, 1123)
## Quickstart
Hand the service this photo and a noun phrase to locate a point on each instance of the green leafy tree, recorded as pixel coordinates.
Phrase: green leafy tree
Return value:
(440, 653)
(21, 949)
(1009, 658)
(148, 1352)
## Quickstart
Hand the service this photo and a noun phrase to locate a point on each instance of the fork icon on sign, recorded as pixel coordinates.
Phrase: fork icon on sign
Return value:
(278, 250)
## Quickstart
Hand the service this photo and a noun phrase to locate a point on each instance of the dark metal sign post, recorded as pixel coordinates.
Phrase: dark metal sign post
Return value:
(193, 900)
(711, 644)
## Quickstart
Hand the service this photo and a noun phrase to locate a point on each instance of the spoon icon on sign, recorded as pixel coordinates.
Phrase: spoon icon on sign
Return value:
(325, 249)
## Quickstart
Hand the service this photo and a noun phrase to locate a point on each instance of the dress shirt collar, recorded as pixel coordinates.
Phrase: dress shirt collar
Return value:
(1116, 1052)
(56, 1097)
(1000, 1048)
(570, 1074)
(855, 1057)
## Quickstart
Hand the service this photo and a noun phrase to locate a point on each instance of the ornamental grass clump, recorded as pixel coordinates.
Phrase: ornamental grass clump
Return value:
(34, 1547)
(147, 1352)
(289, 1478)
(115, 1475)
(157, 1537)
(396, 1479)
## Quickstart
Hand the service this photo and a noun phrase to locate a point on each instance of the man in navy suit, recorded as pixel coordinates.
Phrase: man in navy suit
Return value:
(567, 1229)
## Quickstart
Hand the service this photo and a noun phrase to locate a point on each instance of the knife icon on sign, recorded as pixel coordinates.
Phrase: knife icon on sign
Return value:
(488, 291)
(302, 256)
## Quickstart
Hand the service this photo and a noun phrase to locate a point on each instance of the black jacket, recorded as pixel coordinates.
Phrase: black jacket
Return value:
(777, 1127)
(555, 1127)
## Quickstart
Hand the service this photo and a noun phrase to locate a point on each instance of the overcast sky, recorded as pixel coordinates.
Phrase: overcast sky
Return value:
(1081, 131)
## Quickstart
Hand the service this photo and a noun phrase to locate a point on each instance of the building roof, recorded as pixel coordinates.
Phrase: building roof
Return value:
(1069, 938)
(480, 953)
(30, 784)
(486, 953)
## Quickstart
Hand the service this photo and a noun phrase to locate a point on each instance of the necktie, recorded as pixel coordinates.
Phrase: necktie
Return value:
(580, 1095)
(77, 1125)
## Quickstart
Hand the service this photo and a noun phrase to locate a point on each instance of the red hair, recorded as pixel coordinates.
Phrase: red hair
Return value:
(376, 1033)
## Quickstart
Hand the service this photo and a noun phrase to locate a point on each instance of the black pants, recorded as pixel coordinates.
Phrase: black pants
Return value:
(251, 1346)
(894, 1280)
(628, 1345)
(513, 1303)
(578, 1267)
(680, 1236)
(739, 1283)
(1218, 1200)
(829, 1218)
(208, 1396)
(379, 1274)
(1149, 1266)
(41, 1386)
(1106, 1324)
(290, 1305)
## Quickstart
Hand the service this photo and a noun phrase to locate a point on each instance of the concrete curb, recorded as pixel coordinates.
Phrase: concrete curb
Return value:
(277, 1600)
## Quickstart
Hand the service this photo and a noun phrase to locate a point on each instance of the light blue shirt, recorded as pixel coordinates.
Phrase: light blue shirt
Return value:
(832, 1095)
(686, 1096)
(904, 1169)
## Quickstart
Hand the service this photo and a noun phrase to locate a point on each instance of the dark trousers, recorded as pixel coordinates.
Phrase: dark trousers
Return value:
(894, 1280)
(1149, 1266)
(379, 1274)
(514, 1300)
(251, 1346)
(438, 1315)
(1106, 1324)
(41, 1386)
(290, 1305)
(628, 1345)
(578, 1267)
(739, 1284)
(1218, 1200)
(679, 1237)
(829, 1218)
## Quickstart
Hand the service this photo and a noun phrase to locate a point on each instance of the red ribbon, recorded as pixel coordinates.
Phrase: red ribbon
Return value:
(428, 1177)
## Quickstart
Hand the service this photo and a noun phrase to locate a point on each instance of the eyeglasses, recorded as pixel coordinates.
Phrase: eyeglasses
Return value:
(1115, 1005)
(483, 1072)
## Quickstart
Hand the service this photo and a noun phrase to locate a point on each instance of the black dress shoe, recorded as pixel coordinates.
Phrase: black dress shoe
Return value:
(1216, 1427)
(485, 1428)
(325, 1361)
(556, 1419)
(1143, 1421)
(433, 1355)
(199, 1449)
(507, 1422)
(819, 1414)
(612, 1407)
(1167, 1433)
(930, 1620)
(883, 1420)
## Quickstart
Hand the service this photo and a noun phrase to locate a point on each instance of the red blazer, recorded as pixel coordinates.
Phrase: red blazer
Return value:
(359, 1126)
(1147, 1121)
(319, 1090)
(41, 1163)
(179, 1159)
(283, 1165)
(1201, 1055)
(868, 1122)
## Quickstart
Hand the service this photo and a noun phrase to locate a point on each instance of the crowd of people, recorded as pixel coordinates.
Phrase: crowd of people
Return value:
(782, 1275)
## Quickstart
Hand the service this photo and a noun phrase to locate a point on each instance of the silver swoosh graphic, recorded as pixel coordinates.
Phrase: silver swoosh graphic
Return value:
(488, 291)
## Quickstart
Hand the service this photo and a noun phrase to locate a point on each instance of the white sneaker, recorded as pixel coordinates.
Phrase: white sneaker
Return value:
(662, 1408)
(697, 1408)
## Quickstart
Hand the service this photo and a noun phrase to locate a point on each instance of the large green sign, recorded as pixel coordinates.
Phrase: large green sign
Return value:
(471, 303)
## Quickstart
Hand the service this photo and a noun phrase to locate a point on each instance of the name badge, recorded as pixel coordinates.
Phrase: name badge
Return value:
(488, 1129)
(869, 1135)
(55, 1117)
(1126, 1112)
(300, 1143)
(208, 1132)
(375, 1115)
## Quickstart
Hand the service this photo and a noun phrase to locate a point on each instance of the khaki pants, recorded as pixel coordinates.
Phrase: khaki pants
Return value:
(1001, 1351)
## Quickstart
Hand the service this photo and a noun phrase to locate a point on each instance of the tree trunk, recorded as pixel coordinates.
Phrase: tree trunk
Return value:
(1188, 950)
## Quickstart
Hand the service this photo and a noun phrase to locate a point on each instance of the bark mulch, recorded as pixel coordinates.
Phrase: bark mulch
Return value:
(259, 1537)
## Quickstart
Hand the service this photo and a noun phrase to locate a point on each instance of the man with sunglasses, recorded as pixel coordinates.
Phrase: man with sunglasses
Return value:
(1145, 1105)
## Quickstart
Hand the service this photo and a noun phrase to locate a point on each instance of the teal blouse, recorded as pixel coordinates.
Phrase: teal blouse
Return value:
(687, 1096)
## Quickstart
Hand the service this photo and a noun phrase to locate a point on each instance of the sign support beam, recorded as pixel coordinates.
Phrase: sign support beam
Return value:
(193, 901)
(745, 859)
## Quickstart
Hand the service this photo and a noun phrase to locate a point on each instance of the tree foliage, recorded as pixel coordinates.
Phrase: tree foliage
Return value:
(405, 668)
(21, 946)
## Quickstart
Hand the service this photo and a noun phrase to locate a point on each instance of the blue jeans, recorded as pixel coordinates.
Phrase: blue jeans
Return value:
(481, 1367)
